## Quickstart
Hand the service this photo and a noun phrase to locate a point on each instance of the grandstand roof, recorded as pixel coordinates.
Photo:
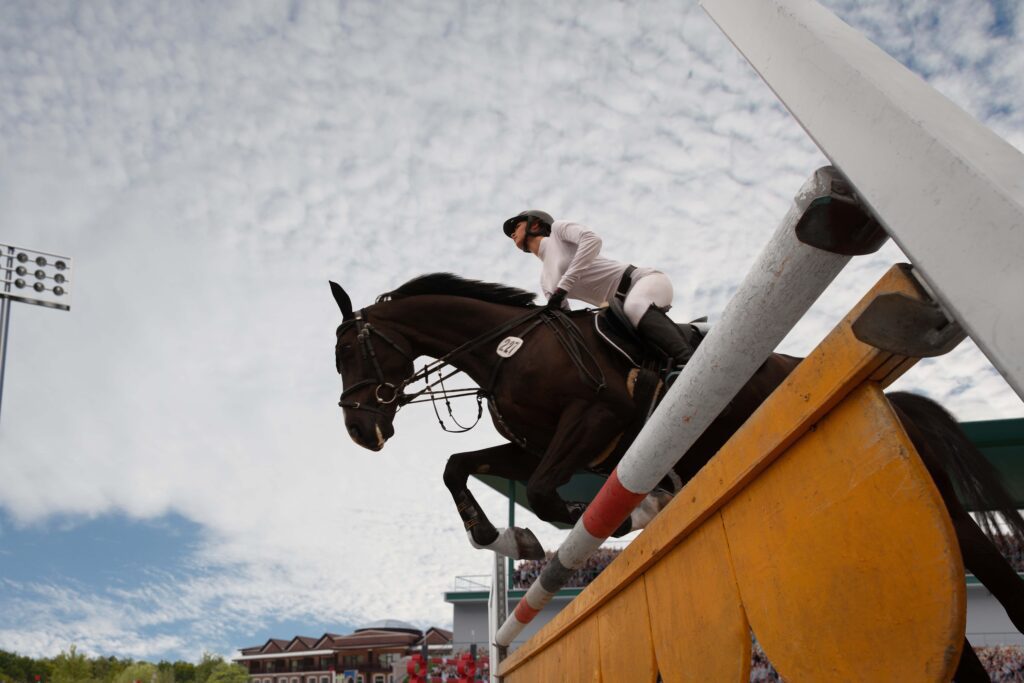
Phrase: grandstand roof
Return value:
(1002, 442)
(388, 633)
(390, 625)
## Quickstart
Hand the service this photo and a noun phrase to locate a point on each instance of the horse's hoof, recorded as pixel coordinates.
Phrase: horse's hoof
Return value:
(516, 543)
(648, 509)
(527, 545)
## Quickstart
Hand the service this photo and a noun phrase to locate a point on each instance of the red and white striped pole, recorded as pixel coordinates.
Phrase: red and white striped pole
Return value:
(783, 283)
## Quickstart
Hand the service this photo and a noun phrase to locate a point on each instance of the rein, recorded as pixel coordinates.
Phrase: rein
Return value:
(567, 334)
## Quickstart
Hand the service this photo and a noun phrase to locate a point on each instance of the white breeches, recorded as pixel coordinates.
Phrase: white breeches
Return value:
(654, 289)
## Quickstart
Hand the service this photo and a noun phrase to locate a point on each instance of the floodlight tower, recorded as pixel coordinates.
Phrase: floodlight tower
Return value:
(32, 277)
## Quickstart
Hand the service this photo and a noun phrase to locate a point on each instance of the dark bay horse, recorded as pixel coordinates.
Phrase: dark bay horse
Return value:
(558, 394)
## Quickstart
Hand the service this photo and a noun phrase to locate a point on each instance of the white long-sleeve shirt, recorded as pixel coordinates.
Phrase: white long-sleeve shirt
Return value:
(571, 261)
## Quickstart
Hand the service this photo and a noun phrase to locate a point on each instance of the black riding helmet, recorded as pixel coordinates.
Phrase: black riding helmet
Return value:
(533, 217)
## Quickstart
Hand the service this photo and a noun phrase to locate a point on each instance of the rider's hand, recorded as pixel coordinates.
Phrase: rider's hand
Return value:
(556, 300)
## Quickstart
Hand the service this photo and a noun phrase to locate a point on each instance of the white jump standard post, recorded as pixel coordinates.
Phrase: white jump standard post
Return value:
(784, 282)
(497, 610)
(948, 190)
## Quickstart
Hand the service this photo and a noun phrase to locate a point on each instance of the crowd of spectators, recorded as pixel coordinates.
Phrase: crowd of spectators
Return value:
(1004, 664)
(528, 570)
(761, 670)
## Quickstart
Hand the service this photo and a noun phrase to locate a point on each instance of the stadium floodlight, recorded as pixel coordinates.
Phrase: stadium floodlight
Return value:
(35, 277)
(31, 277)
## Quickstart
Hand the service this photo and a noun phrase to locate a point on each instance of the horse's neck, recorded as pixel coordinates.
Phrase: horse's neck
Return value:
(435, 325)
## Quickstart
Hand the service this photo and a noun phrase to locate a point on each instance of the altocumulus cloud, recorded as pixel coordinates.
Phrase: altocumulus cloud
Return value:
(210, 166)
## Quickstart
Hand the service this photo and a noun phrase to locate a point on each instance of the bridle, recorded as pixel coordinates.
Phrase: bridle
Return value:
(364, 330)
(566, 333)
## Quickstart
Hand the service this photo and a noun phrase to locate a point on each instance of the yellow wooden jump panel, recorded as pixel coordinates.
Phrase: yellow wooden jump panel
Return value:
(817, 526)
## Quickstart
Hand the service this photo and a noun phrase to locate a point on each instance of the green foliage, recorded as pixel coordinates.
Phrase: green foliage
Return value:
(184, 672)
(228, 673)
(71, 667)
(18, 669)
(142, 671)
(206, 666)
(106, 669)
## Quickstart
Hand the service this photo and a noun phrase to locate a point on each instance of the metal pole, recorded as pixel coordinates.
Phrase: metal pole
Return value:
(5, 319)
(511, 523)
(5, 323)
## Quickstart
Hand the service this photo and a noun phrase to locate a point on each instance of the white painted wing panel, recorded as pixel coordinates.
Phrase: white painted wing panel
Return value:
(949, 190)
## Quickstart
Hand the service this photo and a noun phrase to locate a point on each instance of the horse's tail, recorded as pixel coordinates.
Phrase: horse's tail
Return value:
(975, 480)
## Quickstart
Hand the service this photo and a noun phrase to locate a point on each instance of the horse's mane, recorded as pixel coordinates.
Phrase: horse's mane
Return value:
(448, 284)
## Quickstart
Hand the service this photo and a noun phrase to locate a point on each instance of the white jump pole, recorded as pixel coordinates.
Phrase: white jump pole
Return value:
(783, 283)
(948, 190)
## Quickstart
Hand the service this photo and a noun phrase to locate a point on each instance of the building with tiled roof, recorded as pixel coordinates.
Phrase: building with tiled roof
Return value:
(368, 655)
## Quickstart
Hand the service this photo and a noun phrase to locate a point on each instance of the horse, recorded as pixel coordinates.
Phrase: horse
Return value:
(558, 395)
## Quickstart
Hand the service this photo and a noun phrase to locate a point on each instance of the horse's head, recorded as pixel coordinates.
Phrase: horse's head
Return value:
(373, 364)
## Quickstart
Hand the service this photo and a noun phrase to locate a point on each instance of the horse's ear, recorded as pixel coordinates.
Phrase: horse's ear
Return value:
(344, 303)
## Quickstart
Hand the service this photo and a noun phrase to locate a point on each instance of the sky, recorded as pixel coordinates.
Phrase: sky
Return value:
(175, 476)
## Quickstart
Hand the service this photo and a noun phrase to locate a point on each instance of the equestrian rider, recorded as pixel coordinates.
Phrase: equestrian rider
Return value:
(572, 265)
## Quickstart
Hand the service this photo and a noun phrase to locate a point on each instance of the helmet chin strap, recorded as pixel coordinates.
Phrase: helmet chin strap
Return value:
(526, 235)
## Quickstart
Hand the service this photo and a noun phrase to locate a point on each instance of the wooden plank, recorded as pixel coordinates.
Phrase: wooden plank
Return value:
(844, 549)
(699, 628)
(581, 654)
(528, 672)
(627, 653)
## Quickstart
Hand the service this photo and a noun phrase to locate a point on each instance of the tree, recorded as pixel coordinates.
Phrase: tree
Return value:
(184, 672)
(107, 668)
(206, 666)
(71, 667)
(18, 668)
(228, 673)
(140, 671)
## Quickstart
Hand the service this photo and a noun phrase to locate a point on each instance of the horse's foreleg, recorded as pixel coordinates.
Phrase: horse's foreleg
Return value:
(981, 556)
(947, 452)
(507, 461)
(983, 559)
(584, 429)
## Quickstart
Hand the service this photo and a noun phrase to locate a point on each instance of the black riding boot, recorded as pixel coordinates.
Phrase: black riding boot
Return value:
(659, 330)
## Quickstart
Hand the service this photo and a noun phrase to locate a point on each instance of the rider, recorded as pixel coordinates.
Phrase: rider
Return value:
(572, 264)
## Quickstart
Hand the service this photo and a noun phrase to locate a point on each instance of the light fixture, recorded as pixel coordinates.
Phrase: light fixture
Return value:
(35, 277)
(48, 284)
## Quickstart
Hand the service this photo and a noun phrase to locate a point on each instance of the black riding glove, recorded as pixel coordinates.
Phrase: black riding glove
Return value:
(556, 300)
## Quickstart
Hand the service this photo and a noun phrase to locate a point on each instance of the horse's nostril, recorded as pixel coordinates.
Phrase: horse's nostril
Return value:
(353, 431)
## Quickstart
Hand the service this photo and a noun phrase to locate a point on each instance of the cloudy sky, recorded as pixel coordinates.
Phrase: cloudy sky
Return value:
(174, 473)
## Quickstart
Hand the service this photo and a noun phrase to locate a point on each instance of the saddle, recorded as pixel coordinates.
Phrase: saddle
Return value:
(614, 328)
